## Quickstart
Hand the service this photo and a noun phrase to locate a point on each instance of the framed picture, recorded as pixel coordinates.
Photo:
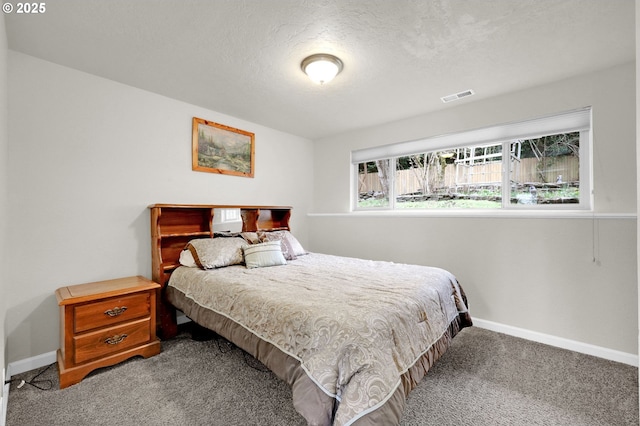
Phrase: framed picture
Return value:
(217, 148)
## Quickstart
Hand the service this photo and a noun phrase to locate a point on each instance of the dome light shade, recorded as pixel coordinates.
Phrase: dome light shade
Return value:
(321, 68)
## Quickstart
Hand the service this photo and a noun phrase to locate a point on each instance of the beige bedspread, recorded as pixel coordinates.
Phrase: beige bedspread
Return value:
(356, 326)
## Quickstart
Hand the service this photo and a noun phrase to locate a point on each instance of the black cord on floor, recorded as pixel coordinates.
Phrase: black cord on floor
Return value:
(250, 360)
(35, 383)
(230, 345)
(254, 363)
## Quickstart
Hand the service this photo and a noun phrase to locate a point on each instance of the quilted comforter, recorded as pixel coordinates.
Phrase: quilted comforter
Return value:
(355, 327)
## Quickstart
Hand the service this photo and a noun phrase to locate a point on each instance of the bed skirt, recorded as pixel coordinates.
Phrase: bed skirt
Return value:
(309, 400)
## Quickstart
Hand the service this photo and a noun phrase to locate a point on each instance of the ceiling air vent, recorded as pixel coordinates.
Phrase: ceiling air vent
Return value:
(457, 96)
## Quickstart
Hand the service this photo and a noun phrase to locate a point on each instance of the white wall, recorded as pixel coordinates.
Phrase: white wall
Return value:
(4, 162)
(638, 148)
(88, 156)
(574, 278)
(638, 151)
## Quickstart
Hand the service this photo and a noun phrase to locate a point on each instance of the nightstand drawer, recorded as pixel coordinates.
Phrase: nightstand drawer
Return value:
(111, 311)
(105, 341)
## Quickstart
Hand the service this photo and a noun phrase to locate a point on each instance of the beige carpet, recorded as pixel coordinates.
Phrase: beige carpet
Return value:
(486, 378)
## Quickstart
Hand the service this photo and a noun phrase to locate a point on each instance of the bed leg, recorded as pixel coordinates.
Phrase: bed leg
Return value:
(168, 323)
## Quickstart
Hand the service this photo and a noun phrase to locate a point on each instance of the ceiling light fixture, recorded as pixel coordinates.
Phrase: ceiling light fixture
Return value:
(321, 67)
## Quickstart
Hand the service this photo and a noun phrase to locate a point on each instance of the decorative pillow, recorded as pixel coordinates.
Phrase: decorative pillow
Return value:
(210, 253)
(186, 259)
(264, 254)
(290, 243)
(287, 250)
(225, 234)
(250, 237)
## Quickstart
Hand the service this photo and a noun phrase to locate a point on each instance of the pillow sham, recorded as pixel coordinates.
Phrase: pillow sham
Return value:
(290, 245)
(225, 234)
(287, 250)
(264, 254)
(250, 237)
(210, 253)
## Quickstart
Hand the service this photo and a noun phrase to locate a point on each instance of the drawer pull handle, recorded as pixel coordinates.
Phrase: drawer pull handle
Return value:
(115, 311)
(118, 338)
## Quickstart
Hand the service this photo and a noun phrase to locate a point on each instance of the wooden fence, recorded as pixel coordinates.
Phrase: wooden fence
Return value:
(457, 177)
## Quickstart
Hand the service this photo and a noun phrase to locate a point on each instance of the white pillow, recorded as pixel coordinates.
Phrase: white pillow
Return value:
(264, 254)
(186, 259)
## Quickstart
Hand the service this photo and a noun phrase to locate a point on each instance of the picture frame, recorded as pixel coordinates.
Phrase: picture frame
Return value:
(216, 148)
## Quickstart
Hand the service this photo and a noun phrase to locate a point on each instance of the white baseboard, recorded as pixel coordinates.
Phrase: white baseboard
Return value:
(24, 365)
(3, 403)
(560, 342)
(4, 399)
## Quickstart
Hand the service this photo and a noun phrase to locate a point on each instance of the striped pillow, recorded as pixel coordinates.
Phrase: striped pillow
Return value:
(264, 254)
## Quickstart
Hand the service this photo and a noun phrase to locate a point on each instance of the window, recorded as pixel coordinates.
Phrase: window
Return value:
(537, 164)
(230, 215)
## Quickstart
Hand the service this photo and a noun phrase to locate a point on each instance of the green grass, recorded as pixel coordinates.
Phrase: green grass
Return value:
(450, 204)
(468, 203)
(373, 204)
(431, 204)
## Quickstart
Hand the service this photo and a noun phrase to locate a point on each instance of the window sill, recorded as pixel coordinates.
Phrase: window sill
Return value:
(488, 214)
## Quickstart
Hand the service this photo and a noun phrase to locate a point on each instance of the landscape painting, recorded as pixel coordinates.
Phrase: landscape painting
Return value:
(217, 148)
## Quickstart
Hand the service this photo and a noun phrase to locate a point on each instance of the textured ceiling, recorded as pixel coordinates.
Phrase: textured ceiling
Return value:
(242, 58)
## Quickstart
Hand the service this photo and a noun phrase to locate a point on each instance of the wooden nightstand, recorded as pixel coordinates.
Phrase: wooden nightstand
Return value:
(104, 323)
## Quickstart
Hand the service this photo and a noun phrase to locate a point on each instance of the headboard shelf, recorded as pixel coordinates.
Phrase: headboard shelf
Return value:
(265, 218)
(188, 234)
(174, 225)
(170, 266)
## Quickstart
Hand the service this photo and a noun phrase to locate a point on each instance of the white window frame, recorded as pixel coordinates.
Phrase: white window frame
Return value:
(572, 121)
(226, 216)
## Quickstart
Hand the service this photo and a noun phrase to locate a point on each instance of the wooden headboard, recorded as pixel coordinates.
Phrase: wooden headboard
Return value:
(174, 225)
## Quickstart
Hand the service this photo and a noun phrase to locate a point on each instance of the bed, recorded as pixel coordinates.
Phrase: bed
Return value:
(352, 337)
